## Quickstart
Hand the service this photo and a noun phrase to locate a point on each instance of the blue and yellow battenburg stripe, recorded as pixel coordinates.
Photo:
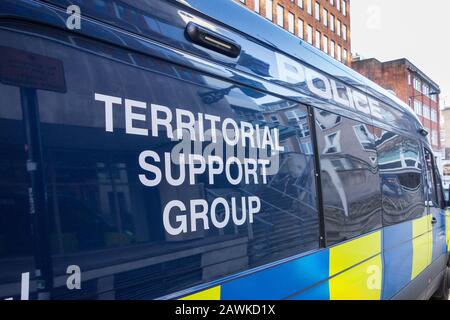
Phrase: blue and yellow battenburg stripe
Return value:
(372, 267)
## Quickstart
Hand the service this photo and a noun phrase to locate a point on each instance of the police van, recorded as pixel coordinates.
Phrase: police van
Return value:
(190, 149)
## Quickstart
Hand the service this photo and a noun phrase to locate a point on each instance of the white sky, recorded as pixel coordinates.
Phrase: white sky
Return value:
(414, 29)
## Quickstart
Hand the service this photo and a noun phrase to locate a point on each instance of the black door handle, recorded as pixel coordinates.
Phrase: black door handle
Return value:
(433, 220)
(212, 40)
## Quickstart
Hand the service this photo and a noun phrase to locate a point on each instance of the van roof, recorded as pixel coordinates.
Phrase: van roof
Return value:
(252, 24)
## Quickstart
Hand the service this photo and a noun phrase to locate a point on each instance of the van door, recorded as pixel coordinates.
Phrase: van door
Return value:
(437, 242)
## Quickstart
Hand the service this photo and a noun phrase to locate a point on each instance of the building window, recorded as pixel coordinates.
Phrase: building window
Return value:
(332, 2)
(339, 53)
(269, 8)
(291, 22)
(338, 5)
(418, 107)
(426, 112)
(309, 34)
(333, 49)
(434, 115)
(257, 6)
(434, 97)
(317, 11)
(280, 16)
(417, 84)
(426, 90)
(309, 9)
(339, 28)
(434, 138)
(318, 39)
(325, 44)
(344, 32)
(301, 28)
(345, 56)
(300, 3)
(332, 23)
(325, 17)
(344, 7)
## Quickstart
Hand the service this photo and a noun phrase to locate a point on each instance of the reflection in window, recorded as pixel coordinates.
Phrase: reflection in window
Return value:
(349, 176)
(332, 143)
(431, 180)
(401, 178)
(365, 137)
(106, 221)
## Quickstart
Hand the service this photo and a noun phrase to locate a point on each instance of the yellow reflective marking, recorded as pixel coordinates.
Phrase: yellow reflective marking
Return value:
(346, 255)
(210, 294)
(422, 245)
(362, 282)
(447, 227)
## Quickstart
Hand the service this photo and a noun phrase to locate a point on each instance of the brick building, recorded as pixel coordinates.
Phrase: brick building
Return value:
(412, 86)
(325, 24)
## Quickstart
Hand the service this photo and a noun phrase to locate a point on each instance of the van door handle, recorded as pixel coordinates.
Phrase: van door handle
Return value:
(212, 40)
(433, 221)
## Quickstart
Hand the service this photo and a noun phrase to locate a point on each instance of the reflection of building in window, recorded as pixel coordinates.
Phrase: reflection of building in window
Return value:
(293, 122)
(299, 118)
(333, 143)
(327, 120)
(402, 157)
(342, 164)
(306, 148)
(365, 137)
(274, 120)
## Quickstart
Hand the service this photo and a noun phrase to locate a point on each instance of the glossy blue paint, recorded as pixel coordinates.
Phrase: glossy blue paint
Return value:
(319, 292)
(258, 69)
(397, 258)
(281, 281)
(439, 236)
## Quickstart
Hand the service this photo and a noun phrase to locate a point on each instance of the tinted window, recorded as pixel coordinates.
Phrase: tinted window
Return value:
(16, 255)
(401, 178)
(349, 174)
(439, 188)
(431, 180)
(107, 221)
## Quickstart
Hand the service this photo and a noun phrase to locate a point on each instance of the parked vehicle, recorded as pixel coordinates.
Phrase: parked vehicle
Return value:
(193, 150)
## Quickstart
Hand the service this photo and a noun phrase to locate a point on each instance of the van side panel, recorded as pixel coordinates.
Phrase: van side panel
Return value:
(397, 258)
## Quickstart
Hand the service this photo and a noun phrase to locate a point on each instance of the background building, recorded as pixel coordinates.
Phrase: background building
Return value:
(446, 146)
(325, 24)
(412, 86)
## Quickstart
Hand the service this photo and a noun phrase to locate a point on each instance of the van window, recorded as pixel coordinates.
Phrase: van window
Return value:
(400, 166)
(439, 188)
(434, 181)
(16, 244)
(349, 175)
(109, 217)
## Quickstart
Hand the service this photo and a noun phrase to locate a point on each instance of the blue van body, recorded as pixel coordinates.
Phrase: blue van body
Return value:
(354, 210)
